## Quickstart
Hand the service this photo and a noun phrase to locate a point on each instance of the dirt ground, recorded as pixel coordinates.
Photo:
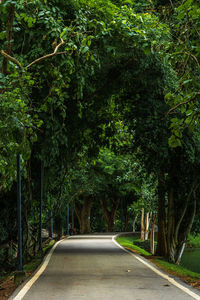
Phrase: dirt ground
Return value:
(7, 287)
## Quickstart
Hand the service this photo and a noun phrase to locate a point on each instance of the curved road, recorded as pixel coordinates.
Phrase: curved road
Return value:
(95, 268)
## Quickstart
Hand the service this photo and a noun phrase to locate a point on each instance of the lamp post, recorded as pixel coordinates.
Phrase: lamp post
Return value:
(19, 214)
(68, 219)
(51, 221)
(122, 214)
(72, 210)
(20, 274)
(41, 199)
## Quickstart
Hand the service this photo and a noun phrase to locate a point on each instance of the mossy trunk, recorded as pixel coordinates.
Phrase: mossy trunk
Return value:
(179, 227)
(142, 225)
(146, 232)
(11, 12)
(134, 222)
(83, 214)
(152, 235)
(162, 242)
(109, 215)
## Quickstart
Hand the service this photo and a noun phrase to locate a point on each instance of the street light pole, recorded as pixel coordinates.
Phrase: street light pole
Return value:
(19, 214)
(72, 210)
(122, 215)
(41, 199)
(68, 219)
(51, 221)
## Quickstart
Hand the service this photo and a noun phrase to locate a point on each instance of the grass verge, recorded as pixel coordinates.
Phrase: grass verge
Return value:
(31, 266)
(188, 276)
(128, 242)
(194, 241)
(7, 285)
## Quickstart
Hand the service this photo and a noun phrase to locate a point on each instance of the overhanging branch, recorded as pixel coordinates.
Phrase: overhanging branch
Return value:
(180, 104)
(16, 62)
(176, 106)
(194, 57)
(48, 55)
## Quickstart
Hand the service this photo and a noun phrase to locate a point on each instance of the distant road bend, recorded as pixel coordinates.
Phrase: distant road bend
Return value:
(96, 268)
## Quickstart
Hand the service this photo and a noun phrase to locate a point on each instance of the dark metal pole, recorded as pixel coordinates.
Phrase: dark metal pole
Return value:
(19, 214)
(68, 219)
(51, 225)
(72, 209)
(41, 199)
(121, 204)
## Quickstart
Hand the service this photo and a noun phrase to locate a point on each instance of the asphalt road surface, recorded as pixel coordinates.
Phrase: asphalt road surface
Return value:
(95, 268)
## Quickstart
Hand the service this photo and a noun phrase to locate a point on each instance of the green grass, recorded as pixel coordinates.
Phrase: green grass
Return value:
(35, 262)
(194, 241)
(32, 265)
(177, 269)
(49, 245)
(167, 266)
(128, 242)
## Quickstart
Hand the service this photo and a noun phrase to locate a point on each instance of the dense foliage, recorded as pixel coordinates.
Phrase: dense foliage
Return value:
(103, 94)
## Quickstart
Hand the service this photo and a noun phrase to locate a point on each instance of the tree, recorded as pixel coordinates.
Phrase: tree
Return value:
(99, 69)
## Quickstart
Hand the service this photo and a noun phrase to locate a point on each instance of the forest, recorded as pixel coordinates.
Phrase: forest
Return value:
(100, 101)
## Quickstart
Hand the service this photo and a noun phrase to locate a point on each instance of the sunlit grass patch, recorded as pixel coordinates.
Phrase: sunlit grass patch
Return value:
(194, 241)
(128, 242)
(176, 269)
(190, 277)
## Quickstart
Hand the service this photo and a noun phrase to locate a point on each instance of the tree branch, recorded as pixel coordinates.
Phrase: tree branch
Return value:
(175, 107)
(48, 55)
(14, 60)
(179, 104)
(11, 12)
(194, 57)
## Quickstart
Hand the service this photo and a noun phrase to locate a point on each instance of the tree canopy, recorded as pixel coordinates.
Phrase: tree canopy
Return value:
(105, 95)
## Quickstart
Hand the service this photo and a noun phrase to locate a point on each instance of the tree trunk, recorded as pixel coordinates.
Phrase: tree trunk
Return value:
(162, 242)
(83, 215)
(142, 225)
(188, 221)
(109, 216)
(11, 12)
(134, 222)
(171, 244)
(146, 233)
(180, 219)
(152, 236)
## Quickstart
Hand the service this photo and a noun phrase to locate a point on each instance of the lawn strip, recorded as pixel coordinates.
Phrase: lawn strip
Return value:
(186, 275)
(7, 285)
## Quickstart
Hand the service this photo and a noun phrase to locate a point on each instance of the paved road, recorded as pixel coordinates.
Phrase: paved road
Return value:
(97, 269)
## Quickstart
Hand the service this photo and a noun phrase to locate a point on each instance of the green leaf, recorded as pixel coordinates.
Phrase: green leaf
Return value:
(85, 49)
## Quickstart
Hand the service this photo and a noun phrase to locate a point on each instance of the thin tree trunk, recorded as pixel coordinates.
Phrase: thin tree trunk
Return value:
(179, 228)
(146, 233)
(162, 242)
(152, 235)
(181, 245)
(11, 12)
(83, 215)
(170, 225)
(134, 222)
(142, 225)
(109, 216)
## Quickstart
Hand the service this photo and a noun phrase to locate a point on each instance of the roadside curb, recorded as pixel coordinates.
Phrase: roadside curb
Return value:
(23, 288)
(173, 280)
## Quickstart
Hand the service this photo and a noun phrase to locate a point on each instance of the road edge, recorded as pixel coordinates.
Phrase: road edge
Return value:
(158, 271)
(21, 290)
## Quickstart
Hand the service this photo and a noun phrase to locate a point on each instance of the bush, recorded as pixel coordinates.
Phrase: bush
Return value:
(142, 244)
